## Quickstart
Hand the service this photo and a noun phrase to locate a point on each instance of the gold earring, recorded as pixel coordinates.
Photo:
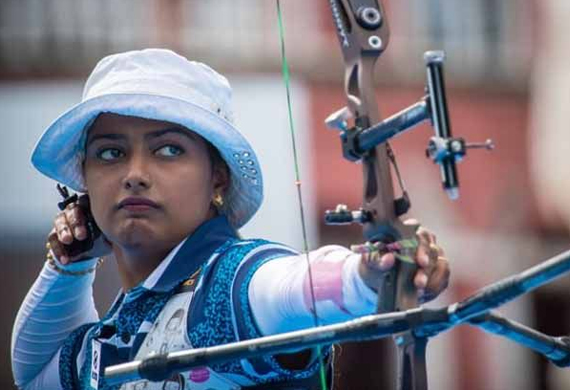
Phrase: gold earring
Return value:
(218, 201)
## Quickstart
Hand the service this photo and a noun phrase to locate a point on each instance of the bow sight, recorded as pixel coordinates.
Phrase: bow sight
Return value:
(443, 149)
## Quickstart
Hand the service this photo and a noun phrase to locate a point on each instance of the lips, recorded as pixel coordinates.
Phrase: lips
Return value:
(135, 203)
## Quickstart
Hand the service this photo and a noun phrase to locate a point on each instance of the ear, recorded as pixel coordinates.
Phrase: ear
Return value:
(221, 178)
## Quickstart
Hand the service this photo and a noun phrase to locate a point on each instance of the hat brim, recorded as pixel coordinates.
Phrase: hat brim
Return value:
(59, 153)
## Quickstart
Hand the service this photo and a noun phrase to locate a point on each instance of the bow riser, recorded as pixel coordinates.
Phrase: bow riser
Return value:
(363, 33)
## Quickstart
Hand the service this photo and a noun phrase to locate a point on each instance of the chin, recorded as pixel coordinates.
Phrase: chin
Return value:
(135, 232)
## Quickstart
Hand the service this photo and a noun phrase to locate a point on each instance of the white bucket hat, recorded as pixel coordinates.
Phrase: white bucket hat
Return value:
(162, 85)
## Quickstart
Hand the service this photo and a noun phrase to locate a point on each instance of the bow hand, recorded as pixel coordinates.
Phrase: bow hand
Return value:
(432, 275)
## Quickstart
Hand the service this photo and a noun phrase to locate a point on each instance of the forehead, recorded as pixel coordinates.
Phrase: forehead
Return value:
(109, 125)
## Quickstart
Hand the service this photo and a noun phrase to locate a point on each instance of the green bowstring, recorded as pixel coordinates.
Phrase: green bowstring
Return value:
(286, 79)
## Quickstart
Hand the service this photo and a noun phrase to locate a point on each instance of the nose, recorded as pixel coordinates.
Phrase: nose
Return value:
(137, 177)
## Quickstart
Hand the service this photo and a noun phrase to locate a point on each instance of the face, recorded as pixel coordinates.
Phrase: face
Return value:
(150, 183)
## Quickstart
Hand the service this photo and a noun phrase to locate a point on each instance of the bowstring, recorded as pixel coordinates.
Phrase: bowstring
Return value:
(286, 79)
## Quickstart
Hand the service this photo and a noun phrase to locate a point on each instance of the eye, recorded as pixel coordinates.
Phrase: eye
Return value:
(169, 151)
(110, 154)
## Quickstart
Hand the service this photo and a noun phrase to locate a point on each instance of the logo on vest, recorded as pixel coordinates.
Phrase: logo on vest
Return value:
(95, 363)
(199, 375)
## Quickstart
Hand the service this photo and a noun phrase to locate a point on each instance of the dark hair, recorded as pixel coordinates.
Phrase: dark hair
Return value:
(216, 160)
(215, 157)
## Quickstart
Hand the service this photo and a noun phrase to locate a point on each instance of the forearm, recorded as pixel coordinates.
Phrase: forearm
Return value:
(55, 306)
(281, 298)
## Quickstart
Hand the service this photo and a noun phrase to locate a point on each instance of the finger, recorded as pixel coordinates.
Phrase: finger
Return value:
(411, 221)
(422, 252)
(56, 247)
(423, 255)
(421, 280)
(427, 254)
(387, 261)
(379, 262)
(76, 220)
(62, 228)
(425, 235)
(439, 278)
(434, 252)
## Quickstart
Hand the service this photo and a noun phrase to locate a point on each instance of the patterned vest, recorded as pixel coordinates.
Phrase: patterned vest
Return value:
(212, 311)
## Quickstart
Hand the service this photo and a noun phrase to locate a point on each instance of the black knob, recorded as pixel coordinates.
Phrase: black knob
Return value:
(369, 18)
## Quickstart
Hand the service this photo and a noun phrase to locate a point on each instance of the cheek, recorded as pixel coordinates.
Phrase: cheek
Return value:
(99, 189)
(193, 187)
(190, 192)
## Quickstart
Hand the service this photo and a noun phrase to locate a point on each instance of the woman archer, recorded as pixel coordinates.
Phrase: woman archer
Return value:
(170, 179)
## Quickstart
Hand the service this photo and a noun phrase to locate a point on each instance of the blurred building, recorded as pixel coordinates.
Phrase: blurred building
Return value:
(497, 227)
(487, 41)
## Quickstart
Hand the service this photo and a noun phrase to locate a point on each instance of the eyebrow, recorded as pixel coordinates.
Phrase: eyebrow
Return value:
(175, 130)
(151, 135)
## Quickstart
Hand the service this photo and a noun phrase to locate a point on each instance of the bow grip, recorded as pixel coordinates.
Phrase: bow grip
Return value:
(396, 291)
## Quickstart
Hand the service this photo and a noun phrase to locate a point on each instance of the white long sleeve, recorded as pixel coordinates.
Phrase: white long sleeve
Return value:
(280, 294)
(55, 306)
